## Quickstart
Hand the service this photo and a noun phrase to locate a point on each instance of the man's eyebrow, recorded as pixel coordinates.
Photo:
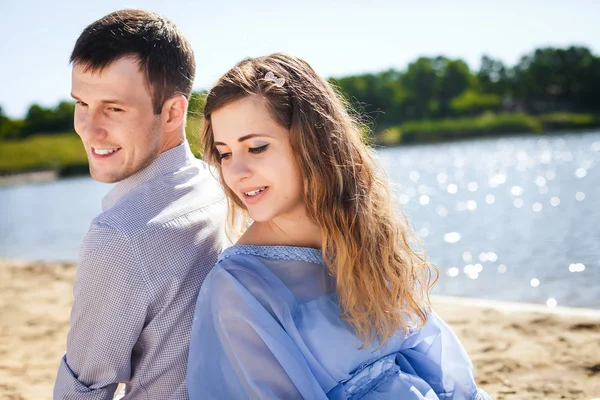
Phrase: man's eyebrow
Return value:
(108, 101)
(244, 138)
(114, 101)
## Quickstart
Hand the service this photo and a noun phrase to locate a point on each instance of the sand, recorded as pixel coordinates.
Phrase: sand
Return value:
(519, 351)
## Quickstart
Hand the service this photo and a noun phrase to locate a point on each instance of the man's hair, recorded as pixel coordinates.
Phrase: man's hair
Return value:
(163, 52)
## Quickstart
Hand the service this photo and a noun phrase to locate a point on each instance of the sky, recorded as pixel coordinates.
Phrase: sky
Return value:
(338, 38)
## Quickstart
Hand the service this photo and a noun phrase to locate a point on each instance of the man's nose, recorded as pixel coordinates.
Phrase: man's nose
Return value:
(90, 124)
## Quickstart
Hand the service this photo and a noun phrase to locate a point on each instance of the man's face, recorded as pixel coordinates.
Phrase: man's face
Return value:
(115, 119)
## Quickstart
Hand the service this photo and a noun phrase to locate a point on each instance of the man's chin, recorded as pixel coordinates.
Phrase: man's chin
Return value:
(103, 179)
(107, 177)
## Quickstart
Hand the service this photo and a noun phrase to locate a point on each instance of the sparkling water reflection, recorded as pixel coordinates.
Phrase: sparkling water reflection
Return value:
(510, 219)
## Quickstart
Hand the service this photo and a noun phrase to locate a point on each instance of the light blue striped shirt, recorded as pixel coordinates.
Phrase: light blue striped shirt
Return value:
(140, 268)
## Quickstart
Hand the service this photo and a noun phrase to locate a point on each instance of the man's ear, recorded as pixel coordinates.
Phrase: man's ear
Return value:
(173, 112)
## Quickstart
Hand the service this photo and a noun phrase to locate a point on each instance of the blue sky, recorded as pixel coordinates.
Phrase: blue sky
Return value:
(337, 38)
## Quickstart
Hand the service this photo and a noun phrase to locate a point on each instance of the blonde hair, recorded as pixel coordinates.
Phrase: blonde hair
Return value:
(382, 282)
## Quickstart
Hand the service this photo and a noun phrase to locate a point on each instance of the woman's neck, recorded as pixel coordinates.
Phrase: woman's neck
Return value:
(298, 231)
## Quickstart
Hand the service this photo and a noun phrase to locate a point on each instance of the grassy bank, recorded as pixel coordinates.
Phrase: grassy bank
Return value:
(489, 124)
(64, 152)
(43, 151)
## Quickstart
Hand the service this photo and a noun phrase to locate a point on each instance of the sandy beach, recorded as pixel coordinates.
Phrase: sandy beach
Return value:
(519, 352)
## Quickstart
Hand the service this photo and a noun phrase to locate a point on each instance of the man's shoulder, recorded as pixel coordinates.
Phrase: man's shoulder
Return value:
(191, 194)
(101, 236)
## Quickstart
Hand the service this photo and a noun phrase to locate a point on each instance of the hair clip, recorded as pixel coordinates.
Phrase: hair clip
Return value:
(271, 77)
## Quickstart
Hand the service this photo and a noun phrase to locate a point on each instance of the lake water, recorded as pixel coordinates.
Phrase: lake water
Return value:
(510, 219)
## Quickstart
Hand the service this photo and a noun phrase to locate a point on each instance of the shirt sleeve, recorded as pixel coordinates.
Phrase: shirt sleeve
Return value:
(108, 314)
(239, 351)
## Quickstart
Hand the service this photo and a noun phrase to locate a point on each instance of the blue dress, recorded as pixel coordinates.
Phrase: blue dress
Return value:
(267, 325)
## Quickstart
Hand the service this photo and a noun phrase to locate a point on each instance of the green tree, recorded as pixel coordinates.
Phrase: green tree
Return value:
(454, 78)
(63, 116)
(493, 77)
(9, 129)
(551, 79)
(432, 83)
(380, 97)
(49, 120)
(421, 82)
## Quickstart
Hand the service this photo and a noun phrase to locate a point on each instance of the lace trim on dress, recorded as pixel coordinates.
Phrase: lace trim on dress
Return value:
(307, 254)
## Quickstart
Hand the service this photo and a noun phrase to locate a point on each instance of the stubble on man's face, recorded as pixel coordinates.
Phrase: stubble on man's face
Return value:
(100, 174)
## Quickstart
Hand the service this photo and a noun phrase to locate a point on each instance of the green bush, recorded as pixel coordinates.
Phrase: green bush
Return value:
(486, 124)
(563, 121)
(471, 102)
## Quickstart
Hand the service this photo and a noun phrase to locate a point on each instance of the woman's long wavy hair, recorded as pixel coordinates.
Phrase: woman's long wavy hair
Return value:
(382, 282)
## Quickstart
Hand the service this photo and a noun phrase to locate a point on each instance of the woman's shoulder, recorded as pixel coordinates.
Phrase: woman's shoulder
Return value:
(232, 266)
(274, 267)
(248, 268)
(267, 273)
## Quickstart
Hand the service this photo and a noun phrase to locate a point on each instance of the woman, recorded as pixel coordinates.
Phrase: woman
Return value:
(322, 296)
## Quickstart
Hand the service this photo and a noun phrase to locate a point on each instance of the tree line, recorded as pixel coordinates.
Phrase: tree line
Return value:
(546, 80)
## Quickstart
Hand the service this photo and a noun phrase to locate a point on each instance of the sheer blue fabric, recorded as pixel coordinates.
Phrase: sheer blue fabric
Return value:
(267, 326)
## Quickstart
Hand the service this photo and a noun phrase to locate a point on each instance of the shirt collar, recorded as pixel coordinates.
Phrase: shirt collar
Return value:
(166, 163)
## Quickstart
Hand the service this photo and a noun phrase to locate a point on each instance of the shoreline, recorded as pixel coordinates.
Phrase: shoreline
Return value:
(41, 174)
(514, 306)
(20, 178)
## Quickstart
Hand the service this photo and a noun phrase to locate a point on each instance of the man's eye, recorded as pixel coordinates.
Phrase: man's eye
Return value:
(116, 109)
(80, 103)
(257, 150)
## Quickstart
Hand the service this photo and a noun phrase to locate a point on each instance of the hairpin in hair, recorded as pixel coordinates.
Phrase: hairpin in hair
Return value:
(271, 77)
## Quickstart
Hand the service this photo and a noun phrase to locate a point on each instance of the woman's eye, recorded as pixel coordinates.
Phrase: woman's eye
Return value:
(257, 150)
(224, 156)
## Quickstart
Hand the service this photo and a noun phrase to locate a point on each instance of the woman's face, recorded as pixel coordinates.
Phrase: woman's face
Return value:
(257, 161)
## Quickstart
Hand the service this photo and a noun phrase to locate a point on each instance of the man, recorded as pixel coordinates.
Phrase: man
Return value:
(143, 260)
